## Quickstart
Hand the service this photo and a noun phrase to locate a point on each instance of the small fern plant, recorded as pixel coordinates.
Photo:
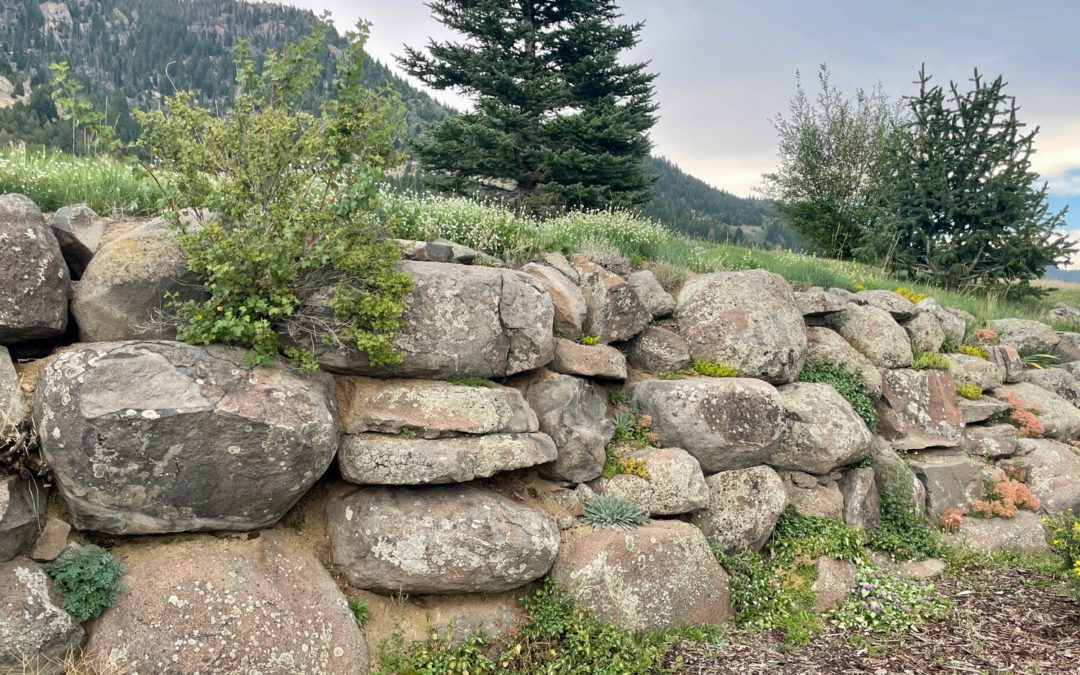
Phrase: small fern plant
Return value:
(89, 580)
(613, 511)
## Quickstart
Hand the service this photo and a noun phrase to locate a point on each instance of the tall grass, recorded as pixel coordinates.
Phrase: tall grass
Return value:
(54, 179)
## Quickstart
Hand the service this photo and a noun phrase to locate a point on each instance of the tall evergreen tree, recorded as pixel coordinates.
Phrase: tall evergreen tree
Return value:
(558, 120)
(963, 207)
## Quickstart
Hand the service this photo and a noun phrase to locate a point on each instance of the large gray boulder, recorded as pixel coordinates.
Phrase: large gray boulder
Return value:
(1056, 380)
(395, 460)
(78, 230)
(431, 408)
(22, 511)
(34, 281)
(566, 298)
(1053, 473)
(725, 423)
(748, 320)
(658, 350)
(599, 361)
(441, 539)
(227, 605)
(824, 431)
(967, 369)
(925, 332)
(36, 635)
(1068, 347)
(149, 437)
(952, 480)
(918, 409)
(1060, 418)
(992, 442)
(1008, 360)
(980, 410)
(813, 495)
(615, 312)
(827, 346)
(816, 302)
(1023, 533)
(573, 412)
(953, 326)
(675, 484)
(462, 320)
(121, 295)
(658, 301)
(895, 304)
(875, 334)
(1026, 336)
(743, 508)
(656, 577)
(862, 501)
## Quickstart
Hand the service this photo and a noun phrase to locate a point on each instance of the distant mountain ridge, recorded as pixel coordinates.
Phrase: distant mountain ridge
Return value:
(124, 52)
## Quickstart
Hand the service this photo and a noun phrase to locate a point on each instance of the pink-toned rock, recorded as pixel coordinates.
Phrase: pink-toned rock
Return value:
(658, 350)
(918, 409)
(813, 495)
(615, 312)
(598, 361)
(570, 308)
(1008, 361)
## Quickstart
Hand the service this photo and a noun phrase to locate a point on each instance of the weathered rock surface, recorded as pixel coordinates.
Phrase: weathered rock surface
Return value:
(824, 431)
(440, 539)
(658, 350)
(952, 479)
(34, 281)
(658, 301)
(1068, 347)
(35, 633)
(78, 230)
(615, 312)
(675, 485)
(813, 495)
(925, 331)
(1022, 533)
(1053, 469)
(382, 459)
(121, 295)
(827, 346)
(572, 411)
(725, 423)
(874, 334)
(992, 442)
(214, 605)
(463, 320)
(889, 469)
(971, 369)
(22, 504)
(446, 251)
(146, 437)
(569, 303)
(748, 320)
(599, 361)
(816, 302)
(981, 410)
(52, 541)
(13, 408)
(1060, 419)
(658, 576)
(953, 326)
(862, 502)
(835, 581)
(1008, 361)
(431, 408)
(1026, 336)
(918, 409)
(895, 304)
(744, 506)
(1056, 380)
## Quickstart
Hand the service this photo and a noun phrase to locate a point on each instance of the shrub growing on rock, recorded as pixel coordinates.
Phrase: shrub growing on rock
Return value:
(1003, 497)
(973, 350)
(89, 580)
(884, 603)
(848, 383)
(971, 391)
(930, 361)
(282, 244)
(713, 369)
(613, 511)
(902, 532)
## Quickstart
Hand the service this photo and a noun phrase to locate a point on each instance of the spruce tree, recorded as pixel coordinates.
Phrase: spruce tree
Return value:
(558, 121)
(963, 207)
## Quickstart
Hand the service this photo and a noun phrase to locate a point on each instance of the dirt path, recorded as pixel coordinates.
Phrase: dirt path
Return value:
(1004, 621)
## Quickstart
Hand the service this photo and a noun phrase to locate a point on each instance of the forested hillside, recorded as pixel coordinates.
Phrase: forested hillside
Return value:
(126, 53)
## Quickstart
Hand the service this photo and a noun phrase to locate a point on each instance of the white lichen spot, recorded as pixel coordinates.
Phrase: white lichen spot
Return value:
(150, 415)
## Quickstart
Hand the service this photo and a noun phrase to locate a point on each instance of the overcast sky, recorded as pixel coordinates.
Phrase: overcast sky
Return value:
(727, 67)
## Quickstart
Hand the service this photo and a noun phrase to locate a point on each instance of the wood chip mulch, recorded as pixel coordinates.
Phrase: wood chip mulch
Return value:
(1003, 621)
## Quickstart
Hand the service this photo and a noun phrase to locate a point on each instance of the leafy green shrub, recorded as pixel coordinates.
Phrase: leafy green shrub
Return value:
(766, 596)
(359, 611)
(973, 350)
(848, 383)
(1063, 533)
(590, 340)
(902, 532)
(618, 397)
(885, 603)
(713, 369)
(971, 391)
(798, 537)
(613, 511)
(481, 382)
(283, 244)
(930, 361)
(89, 580)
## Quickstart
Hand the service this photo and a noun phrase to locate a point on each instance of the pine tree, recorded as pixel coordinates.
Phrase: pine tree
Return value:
(963, 207)
(558, 120)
